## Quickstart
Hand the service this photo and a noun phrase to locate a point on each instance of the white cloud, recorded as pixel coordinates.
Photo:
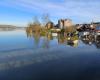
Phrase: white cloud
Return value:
(73, 8)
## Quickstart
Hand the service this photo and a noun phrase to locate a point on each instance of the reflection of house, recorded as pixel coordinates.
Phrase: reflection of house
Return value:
(64, 23)
(88, 39)
(49, 25)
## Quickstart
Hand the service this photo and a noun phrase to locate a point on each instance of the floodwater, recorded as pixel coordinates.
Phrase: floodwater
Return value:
(28, 56)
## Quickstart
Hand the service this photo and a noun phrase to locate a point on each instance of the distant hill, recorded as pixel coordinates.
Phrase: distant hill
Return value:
(9, 27)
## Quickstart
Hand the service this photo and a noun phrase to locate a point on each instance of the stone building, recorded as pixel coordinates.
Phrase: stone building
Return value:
(64, 23)
(67, 23)
(61, 24)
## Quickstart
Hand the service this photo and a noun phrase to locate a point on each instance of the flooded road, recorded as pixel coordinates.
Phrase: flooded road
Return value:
(28, 56)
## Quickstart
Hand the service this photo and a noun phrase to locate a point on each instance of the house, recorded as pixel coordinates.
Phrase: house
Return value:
(64, 23)
(49, 25)
(61, 24)
(67, 23)
(96, 23)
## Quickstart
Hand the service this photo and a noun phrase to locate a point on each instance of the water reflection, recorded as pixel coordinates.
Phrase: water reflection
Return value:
(47, 44)
(88, 39)
(97, 41)
(58, 52)
(66, 38)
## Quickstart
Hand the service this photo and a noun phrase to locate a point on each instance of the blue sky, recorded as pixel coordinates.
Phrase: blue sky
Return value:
(21, 12)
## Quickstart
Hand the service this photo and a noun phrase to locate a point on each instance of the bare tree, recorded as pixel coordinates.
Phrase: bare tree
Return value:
(45, 19)
(36, 21)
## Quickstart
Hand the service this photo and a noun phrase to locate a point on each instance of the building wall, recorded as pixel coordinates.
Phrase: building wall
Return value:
(64, 23)
(61, 24)
(67, 23)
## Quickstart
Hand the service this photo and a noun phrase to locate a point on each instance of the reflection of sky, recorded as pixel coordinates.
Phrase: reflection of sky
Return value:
(10, 39)
(82, 45)
(14, 59)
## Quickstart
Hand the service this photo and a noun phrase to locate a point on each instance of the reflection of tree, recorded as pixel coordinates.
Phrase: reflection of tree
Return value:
(35, 35)
(49, 36)
(45, 43)
(61, 38)
(47, 39)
